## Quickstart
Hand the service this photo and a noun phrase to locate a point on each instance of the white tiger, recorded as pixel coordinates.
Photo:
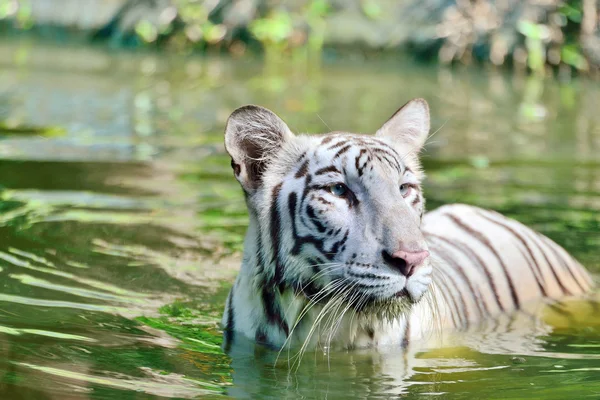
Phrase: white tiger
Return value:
(339, 252)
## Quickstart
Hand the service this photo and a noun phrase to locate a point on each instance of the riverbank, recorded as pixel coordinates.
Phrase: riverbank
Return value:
(543, 37)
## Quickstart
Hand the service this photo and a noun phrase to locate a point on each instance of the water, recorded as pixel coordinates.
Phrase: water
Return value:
(121, 224)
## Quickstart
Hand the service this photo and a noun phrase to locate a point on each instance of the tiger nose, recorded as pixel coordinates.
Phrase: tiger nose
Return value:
(407, 261)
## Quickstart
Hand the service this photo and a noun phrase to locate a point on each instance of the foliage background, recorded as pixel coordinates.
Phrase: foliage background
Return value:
(542, 36)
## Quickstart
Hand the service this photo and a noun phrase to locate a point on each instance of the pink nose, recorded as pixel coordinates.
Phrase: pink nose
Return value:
(408, 261)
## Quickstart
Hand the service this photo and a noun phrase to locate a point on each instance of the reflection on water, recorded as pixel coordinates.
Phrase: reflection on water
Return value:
(121, 224)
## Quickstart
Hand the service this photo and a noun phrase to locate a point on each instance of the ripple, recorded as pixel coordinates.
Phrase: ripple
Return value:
(41, 332)
(64, 304)
(32, 257)
(171, 385)
(71, 290)
(86, 281)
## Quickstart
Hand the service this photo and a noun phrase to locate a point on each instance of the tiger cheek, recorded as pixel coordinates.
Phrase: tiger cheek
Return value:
(324, 218)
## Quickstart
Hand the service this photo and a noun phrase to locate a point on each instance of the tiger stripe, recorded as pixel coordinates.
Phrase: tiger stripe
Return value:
(484, 240)
(531, 261)
(479, 264)
(450, 302)
(230, 321)
(457, 297)
(479, 303)
(573, 272)
(275, 231)
(529, 245)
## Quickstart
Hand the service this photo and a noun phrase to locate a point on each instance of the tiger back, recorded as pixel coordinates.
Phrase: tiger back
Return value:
(496, 265)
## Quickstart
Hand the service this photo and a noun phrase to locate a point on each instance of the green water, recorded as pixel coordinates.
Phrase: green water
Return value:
(121, 224)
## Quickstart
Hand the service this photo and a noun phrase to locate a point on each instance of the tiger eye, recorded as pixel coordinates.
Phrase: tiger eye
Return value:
(339, 189)
(405, 190)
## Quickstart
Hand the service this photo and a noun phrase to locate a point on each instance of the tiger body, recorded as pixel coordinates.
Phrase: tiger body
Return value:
(501, 264)
(340, 253)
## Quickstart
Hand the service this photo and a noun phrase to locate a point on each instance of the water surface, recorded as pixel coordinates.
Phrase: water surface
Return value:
(121, 224)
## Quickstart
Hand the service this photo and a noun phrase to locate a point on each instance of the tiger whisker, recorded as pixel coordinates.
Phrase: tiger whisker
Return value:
(329, 307)
(428, 140)
(330, 267)
(330, 322)
(339, 320)
(324, 271)
(311, 303)
(303, 348)
(359, 304)
(333, 329)
(324, 123)
(332, 318)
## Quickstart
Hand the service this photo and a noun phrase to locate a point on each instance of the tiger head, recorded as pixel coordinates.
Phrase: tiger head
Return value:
(338, 213)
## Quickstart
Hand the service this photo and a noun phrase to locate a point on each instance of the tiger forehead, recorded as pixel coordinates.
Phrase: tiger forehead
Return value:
(338, 139)
(363, 150)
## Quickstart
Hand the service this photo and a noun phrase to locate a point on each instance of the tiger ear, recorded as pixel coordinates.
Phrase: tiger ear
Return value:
(253, 135)
(409, 125)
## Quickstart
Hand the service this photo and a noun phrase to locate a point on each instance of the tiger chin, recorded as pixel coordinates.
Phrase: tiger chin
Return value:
(339, 252)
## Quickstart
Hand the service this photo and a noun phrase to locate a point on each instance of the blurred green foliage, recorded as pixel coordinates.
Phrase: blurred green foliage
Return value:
(571, 52)
(536, 35)
(10, 129)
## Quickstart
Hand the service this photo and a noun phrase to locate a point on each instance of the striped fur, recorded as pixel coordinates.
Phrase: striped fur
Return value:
(327, 213)
(489, 264)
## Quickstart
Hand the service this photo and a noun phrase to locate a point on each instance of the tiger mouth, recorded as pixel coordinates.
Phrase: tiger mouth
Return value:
(363, 303)
(386, 308)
